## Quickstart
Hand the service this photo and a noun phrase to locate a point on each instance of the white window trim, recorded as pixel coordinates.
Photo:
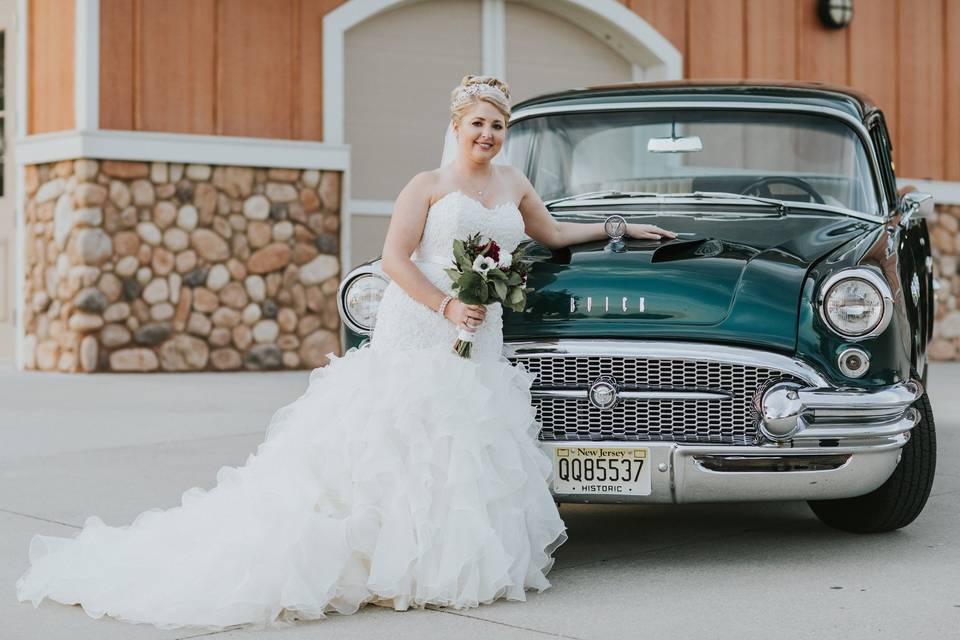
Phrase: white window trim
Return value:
(153, 146)
(20, 115)
(86, 77)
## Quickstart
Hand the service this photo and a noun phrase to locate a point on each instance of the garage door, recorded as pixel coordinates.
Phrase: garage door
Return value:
(400, 67)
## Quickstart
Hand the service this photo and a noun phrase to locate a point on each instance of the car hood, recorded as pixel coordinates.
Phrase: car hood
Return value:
(727, 278)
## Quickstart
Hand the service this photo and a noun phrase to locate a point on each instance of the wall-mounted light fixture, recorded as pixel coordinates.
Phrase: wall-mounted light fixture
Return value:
(835, 14)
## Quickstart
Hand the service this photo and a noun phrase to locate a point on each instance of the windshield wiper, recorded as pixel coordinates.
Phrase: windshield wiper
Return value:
(603, 195)
(613, 193)
(723, 195)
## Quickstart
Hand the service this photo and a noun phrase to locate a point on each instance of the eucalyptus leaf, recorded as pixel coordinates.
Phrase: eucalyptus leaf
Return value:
(468, 297)
(501, 288)
(497, 274)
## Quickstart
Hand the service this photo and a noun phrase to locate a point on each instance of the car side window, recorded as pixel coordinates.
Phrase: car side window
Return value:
(551, 167)
(881, 142)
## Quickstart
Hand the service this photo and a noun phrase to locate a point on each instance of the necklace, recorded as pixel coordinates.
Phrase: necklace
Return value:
(485, 184)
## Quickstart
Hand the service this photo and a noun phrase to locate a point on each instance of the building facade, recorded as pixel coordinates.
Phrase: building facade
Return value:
(185, 181)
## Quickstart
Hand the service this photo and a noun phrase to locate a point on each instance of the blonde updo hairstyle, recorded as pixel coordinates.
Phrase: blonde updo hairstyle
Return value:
(502, 104)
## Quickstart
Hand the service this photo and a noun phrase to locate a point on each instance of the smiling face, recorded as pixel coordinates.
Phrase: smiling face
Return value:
(481, 132)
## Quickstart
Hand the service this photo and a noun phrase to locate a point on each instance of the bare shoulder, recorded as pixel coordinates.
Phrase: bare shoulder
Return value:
(516, 179)
(418, 191)
(511, 173)
(518, 183)
(423, 183)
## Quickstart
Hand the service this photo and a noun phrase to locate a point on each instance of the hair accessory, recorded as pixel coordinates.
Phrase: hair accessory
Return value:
(464, 94)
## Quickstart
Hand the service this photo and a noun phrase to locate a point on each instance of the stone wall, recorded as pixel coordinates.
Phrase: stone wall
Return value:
(945, 238)
(135, 266)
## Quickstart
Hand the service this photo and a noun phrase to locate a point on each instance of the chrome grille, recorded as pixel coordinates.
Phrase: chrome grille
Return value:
(728, 421)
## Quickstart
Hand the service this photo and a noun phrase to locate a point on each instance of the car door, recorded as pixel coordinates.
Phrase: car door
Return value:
(913, 245)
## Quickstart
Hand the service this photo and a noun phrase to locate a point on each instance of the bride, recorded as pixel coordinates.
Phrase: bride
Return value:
(404, 476)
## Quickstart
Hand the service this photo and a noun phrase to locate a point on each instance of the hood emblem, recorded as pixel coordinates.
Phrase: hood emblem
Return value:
(603, 392)
(624, 304)
(616, 228)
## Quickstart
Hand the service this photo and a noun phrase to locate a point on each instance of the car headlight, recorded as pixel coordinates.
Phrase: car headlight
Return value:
(856, 303)
(359, 300)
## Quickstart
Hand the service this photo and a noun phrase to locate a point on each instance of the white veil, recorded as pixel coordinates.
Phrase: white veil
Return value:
(450, 149)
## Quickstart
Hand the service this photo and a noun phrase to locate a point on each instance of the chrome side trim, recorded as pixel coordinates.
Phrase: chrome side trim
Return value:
(855, 123)
(695, 351)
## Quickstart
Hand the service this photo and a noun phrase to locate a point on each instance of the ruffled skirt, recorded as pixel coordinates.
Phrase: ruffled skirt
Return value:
(402, 477)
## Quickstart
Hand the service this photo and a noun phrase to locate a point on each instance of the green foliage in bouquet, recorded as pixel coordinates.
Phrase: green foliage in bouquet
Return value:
(494, 284)
(482, 276)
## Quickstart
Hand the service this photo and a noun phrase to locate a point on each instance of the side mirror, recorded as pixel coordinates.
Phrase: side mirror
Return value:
(915, 203)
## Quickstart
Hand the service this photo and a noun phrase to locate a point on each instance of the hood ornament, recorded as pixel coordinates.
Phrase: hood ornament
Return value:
(616, 228)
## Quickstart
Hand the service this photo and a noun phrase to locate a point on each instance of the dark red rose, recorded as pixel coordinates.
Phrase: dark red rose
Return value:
(494, 250)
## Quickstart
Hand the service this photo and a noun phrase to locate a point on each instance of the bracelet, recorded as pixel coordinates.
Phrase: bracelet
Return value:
(443, 305)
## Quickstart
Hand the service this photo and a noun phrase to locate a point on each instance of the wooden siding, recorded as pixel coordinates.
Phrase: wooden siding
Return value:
(50, 55)
(228, 67)
(896, 51)
(254, 67)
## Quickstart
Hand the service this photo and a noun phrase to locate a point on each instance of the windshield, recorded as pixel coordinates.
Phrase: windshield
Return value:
(787, 156)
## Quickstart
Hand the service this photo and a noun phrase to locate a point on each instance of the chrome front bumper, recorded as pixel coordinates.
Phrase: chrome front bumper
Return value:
(791, 413)
(683, 473)
(813, 440)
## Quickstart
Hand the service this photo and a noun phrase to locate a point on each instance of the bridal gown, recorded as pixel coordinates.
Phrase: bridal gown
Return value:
(404, 476)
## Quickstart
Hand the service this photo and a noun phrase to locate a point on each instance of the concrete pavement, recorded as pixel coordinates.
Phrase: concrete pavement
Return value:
(115, 445)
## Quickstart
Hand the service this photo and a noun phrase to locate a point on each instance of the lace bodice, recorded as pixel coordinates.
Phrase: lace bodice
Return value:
(402, 322)
(456, 216)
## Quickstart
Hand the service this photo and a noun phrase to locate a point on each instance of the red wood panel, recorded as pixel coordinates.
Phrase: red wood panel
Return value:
(255, 68)
(821, 52)
(175, 71)
(308, 92)
(920, 90)
(715, 39)
(116, 64)
(669, 17)
(771, 33)
(951, 129)
(50, 60)
(873, 57)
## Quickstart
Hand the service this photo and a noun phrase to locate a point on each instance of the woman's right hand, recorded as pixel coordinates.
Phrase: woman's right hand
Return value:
(465, 316)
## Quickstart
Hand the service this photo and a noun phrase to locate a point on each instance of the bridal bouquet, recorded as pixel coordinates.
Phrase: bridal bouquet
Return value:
(484, 274)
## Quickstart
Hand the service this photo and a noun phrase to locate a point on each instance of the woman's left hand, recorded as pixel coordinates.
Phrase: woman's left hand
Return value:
(649, 232)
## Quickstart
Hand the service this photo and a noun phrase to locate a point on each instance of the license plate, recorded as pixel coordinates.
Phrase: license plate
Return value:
(601, 470)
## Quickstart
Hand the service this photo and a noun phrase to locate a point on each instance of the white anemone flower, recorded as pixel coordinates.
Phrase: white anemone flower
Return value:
(506, 259)
(482, 264)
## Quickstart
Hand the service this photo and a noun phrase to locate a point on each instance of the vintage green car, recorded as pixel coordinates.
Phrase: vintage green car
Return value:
(776, 350)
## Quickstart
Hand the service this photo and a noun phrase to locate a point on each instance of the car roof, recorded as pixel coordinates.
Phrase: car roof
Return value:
(747, 91)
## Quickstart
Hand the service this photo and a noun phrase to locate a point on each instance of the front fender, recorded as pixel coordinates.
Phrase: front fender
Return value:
(891, 351)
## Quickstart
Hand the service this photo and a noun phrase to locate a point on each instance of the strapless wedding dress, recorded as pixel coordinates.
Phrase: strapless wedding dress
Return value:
(404, 476)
